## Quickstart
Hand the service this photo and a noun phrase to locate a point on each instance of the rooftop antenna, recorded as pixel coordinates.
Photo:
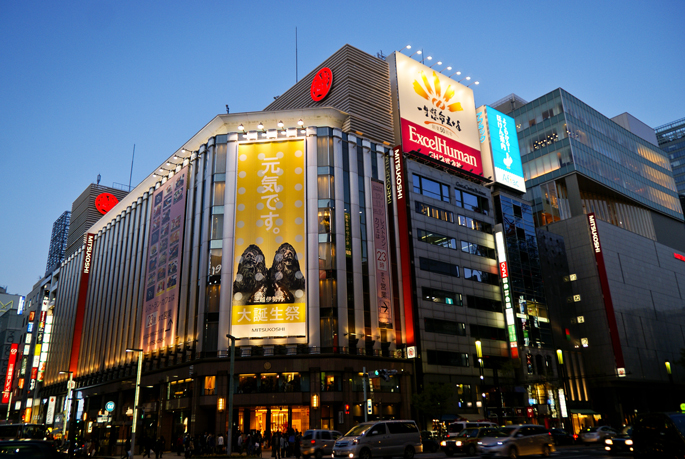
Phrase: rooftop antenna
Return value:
(228, 110)
(99, 177)
(130, 176)
(297, 78)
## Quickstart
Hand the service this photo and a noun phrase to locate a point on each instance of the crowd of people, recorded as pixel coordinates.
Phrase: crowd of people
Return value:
(282, 444)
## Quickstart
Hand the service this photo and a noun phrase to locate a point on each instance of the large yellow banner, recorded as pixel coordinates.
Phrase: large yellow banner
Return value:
(269, 287)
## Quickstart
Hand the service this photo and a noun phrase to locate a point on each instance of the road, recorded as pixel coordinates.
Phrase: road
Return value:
(566, 452)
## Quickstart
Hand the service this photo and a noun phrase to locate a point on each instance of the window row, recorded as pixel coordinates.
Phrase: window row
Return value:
(448, 216)
(441, 192)
(441, 240)
(450, 327)
(450, 269)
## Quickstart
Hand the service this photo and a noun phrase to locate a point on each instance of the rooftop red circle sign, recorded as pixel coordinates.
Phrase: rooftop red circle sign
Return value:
(104, 202)
(321, 85)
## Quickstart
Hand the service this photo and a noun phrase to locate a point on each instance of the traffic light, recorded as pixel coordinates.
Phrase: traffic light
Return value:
(347, 409)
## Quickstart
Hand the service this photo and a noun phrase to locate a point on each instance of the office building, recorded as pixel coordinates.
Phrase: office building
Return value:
(671, 139)
(611, 196)
(58, 242)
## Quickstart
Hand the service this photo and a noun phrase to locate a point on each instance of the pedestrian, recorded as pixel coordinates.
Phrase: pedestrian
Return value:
(275, 446)
(190, 446)
(179, 444)
(220, 444)
(147, 446)
(282, 443)
(159, 446)
(127, 450)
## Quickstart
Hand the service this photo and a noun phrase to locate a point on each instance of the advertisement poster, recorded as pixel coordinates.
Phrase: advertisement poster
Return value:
(164, 263)
(500, 148)
(269, 287)
(382, 256)
(435, 114)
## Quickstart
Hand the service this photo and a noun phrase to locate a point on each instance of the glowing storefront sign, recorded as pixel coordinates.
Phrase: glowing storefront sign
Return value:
(50, 416)
(20, 308)
(506, 293)
(269, 288)
(435, 115)
(562, 403)
(10, 373)
(164, 263)
(499, 146)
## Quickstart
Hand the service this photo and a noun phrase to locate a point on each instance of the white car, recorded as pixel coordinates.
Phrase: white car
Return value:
(597, 434)
(517, 440)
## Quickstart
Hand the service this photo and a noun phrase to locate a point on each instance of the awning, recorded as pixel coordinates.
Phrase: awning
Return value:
(472, 417)
(583, 411)
(449, 417)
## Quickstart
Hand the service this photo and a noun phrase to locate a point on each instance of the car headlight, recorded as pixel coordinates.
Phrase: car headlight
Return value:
(608, 441)
(458, 443)
(355, 441)
(443, 443)
(500, 442)
(629, 442)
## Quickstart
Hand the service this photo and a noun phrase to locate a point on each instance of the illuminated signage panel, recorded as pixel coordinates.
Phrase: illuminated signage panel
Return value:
(50, 416)
(269, 288)
(164, 263)
(506, 293)
(499, 146)
(10, 373)
(86, 267)
(382, 256)
(435, 115)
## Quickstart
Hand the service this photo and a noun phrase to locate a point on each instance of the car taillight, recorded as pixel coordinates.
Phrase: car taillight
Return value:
(313, 442)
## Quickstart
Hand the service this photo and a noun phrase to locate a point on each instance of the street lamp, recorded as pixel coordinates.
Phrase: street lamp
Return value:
(229, 436)
(70, 388)
(136, 397)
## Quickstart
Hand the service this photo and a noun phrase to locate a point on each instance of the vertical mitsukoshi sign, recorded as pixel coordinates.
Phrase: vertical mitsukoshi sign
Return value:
(158, 329)
(269, 287)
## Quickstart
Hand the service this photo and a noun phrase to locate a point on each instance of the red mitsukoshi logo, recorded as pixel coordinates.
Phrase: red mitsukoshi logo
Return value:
(321, 84)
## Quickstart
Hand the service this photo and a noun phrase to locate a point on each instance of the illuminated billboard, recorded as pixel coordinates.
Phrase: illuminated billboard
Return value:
(164, 263)
(506, 293)
(434, 115)
(269, 287)
(499, 145)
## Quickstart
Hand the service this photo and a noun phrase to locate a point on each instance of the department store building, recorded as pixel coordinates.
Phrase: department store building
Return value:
(303, 232)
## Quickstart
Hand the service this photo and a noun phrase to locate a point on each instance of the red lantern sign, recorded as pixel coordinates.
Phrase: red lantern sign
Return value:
(104, 202)
(321, 84)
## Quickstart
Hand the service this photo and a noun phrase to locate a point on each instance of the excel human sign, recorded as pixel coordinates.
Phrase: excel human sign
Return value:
(434, 115)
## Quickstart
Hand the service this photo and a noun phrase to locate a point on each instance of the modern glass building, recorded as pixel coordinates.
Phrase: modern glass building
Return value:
(611, 196)
(671, 138)
(577, 161)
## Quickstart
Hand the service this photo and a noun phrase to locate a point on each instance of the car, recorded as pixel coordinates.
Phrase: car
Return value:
(621, 443)
(517, 440)
(430, 441)
(455, 427)
(659, 435)
(318, 443)
(466, 441)
(380, 439)
(597, 434)
(29, 449)
(561, 437)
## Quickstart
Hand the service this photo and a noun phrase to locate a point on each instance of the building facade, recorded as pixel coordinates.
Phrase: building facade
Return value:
(590, 180)
(58, 242)
(671, 139)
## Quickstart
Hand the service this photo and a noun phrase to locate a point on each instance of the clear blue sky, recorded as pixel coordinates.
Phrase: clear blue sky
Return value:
(81, 82)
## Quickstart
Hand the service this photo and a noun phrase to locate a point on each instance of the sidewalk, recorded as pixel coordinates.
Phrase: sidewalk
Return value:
(266, 454)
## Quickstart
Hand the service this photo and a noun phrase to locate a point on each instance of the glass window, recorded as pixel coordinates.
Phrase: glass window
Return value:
(220, 159)
(210, 385)
(437, 239)
(471, 202)
(441, 296)
(218, 193)
(331, 382)
(217, 227)
(439, 267)
(452, 359)
(434, 212)
(431, 188)
(445, 327)
(484, 304)
(485, 332)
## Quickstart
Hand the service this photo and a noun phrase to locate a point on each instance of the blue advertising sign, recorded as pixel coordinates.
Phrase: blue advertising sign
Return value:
(498, 137)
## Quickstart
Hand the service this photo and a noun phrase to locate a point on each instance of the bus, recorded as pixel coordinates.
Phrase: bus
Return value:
(23, 431)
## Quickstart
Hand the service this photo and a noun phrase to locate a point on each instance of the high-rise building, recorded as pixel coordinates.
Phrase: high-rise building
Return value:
(612, 197)
(671, 138)
(58, 242)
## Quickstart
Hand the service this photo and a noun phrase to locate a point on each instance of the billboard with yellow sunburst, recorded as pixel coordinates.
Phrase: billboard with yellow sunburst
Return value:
(434, 115)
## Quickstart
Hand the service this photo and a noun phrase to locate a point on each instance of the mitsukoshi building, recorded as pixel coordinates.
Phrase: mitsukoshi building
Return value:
(346, 227)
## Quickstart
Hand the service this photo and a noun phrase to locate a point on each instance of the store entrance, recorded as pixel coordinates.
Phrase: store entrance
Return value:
(274, 418)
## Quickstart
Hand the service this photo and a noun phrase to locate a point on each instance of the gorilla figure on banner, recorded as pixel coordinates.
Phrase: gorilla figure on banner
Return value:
(252, 273)
(282, 283)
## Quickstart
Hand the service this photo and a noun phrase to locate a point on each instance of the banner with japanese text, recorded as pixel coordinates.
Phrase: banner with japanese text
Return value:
(382, 255)
(164, 263)
(269, 287)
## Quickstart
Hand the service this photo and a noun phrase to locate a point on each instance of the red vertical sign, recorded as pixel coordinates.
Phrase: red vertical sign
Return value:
(10, 373)
(604, 281)
(86, 268)
(405, 252)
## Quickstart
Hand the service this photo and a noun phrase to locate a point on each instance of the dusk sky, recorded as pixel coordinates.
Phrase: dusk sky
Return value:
(83, 81)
